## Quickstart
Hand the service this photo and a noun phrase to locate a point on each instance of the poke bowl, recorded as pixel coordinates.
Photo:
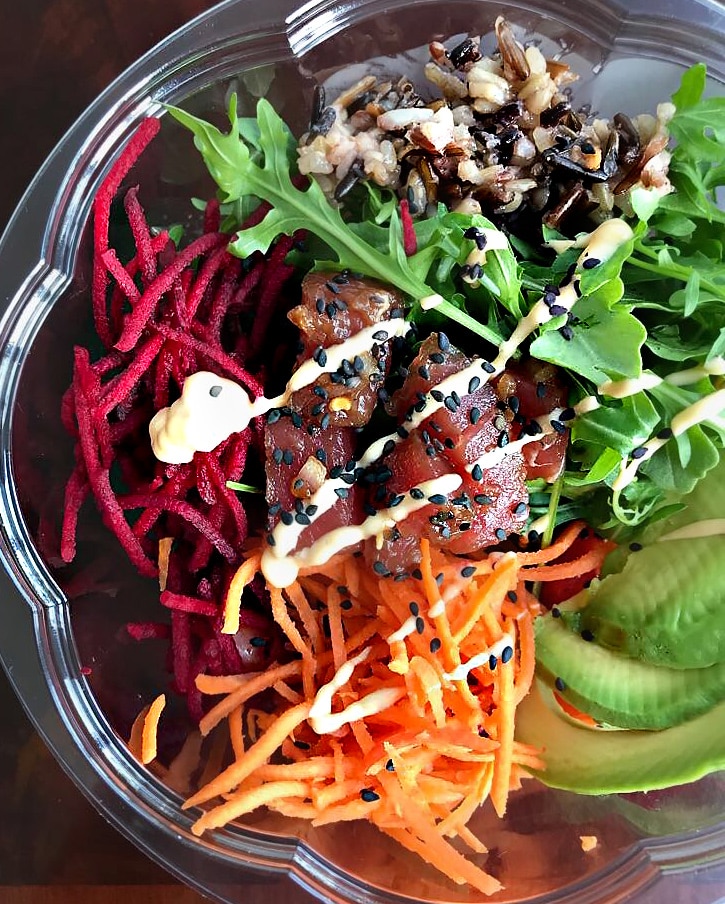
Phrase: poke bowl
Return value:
(85, 639)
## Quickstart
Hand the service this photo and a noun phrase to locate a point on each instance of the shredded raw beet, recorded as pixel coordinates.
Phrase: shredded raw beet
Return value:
(161, 316)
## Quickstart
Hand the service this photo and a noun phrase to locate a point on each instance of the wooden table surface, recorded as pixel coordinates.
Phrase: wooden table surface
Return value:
(54, 848)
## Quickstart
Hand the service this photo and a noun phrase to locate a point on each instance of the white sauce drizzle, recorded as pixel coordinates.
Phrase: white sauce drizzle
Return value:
(461, 672)
(321, 717)
(491, 240)
(703, 409)
(405, 630)
(211, 408)
(282, 568)
(710, 527)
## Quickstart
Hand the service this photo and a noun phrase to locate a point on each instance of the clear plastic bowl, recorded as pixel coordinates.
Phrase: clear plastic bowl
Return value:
(54, 622)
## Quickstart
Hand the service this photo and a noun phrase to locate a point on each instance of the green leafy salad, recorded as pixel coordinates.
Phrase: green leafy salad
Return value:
(632, 668)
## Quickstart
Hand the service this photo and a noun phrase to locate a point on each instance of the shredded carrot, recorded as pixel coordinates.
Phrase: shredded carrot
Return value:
(150, 729)
(245, 574)
(245, 692)
(381, 715)
(236, 731)
(135, 738)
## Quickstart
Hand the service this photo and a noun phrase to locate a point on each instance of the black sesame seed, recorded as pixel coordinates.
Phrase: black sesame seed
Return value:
(430, 451)
(402, 433)
(439, 578)
(390, 766)
(555, 612)
(435, 644)
(379, 568)
(346, 604)
(577, 288)
(414, 608)
(287, 518)
(437, 395)
(503, 439)
(587, 635)
(556, 310)
(320, 357)
(301, 518)
(492, 662)
(513, 596)
(482, 499)
(342, 492)
(443, 342)
(558, 427)
(277, 456)
(358, 364)
(274, 415)
(396, 500)
(468, 571)
(456, 398)
(540, 390)
(450, 404)
(419, 625)
(436, 358)
(464, 525)
(332, 287)
(275, 509)
(567, 333)
(336, 471)
(534, 428)
(215, 391)
(331, 310)
(477, 472)
(270, 540)
(437, 499)
(635, 547)
(321, 456)
(369, 796)
(560, 684)
(590, 263)
(325, 421)
(417, 493)
(488, 367)
(500, 533)
(318, 409)
(568, 414)
(417, 574)
(340, 304)
(665, 433)
(520, 509)
(507, 654)
(424, 372)
(639, 452)
(514, 403)
(287, 457)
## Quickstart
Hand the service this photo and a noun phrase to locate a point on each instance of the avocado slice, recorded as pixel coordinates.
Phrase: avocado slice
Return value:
(608, 762)
(620, 691)
(666, 607)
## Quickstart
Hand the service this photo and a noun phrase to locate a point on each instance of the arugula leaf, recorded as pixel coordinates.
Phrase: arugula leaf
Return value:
(606, 344)
(618, 426)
